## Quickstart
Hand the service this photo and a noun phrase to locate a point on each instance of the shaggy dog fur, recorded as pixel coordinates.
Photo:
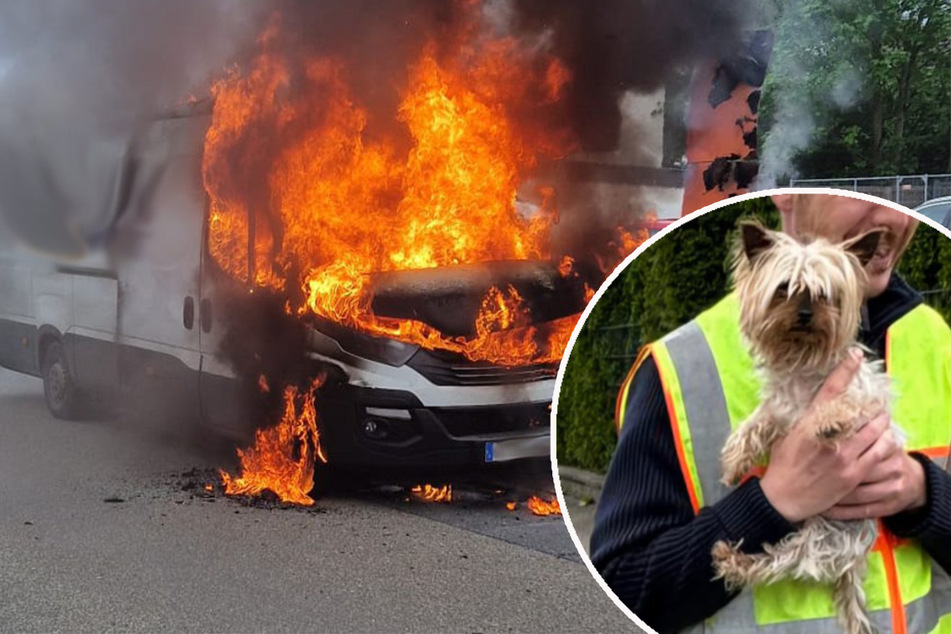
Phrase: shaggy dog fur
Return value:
(800, 313)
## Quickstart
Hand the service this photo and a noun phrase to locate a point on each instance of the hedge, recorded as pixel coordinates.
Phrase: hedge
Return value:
(671, 282)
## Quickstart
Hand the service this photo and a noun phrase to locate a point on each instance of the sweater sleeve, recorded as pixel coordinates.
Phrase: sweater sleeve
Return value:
(647, 543)
(931, 524)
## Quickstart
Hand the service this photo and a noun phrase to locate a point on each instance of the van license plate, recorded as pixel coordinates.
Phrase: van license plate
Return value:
(505, 450)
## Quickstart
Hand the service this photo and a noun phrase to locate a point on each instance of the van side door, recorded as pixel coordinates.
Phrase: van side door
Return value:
(159, 244)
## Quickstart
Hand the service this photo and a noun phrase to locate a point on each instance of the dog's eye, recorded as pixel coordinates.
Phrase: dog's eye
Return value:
(782, 291)
(822, 296)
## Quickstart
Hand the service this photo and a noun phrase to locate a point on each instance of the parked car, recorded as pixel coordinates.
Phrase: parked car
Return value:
(936, 209)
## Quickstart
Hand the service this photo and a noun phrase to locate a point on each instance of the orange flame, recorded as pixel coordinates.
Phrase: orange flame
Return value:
(588, 294)
(539, 506)
(511, 505)
(625, 242)
(566, 267)
(630, 240)
(283, 457)
(429, 493)
(340, 205)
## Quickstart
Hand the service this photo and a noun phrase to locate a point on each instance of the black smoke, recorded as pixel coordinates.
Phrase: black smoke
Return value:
(75, 77)
(613, 46)
(610, 46)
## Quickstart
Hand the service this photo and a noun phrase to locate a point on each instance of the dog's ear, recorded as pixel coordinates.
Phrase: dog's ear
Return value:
(756, 239)
(863, 247)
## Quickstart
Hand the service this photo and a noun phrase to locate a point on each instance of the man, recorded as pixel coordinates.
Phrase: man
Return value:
(653, 536)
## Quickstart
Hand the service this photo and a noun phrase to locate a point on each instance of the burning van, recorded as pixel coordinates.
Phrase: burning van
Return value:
(285, 234)
(174, 314)
(412, 248)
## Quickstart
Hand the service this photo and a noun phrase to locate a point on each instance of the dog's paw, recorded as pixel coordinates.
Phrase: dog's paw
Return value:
(730, 564)
(830, 430)
(722, 551)
(835, 420)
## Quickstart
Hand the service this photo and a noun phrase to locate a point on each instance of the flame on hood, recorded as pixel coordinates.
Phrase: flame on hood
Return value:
(289, 159)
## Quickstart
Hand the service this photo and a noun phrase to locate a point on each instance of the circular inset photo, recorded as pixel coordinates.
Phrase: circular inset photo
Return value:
(752, 421)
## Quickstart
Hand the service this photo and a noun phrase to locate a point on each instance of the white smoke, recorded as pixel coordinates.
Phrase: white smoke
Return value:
(791, 132)
(812, 75)
(76, 79)
(847, 89)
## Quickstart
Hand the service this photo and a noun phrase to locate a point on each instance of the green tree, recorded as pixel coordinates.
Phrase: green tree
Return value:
(868, 83)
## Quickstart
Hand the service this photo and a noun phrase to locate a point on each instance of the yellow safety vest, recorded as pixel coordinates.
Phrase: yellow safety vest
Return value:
(906, 591)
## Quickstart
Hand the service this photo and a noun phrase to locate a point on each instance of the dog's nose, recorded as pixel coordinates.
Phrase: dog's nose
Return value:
(804, 310)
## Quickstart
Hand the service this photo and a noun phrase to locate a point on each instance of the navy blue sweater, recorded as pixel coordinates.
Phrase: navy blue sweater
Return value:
(655, 553)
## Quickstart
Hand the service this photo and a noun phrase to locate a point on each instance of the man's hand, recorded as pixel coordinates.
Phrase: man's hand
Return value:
(894, 484)
(806, 477)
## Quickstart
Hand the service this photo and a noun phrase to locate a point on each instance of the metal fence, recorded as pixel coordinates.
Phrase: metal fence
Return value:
(620, 346)
(909, 191)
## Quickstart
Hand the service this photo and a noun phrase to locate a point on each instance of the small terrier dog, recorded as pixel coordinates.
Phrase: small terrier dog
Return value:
(800, 314)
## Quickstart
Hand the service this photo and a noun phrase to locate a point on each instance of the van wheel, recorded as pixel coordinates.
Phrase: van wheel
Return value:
(61, 395)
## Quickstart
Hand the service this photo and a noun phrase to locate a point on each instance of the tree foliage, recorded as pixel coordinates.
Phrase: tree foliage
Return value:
(871, 78)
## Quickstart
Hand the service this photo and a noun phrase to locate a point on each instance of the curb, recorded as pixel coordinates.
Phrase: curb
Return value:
(581, 484)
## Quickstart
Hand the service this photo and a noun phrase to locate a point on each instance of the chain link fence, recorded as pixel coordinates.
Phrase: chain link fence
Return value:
(909, 191)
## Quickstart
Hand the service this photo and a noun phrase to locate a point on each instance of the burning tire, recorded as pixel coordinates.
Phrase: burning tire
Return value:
(62, 397)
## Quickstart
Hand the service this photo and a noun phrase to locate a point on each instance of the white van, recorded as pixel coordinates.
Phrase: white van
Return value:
(148, 315)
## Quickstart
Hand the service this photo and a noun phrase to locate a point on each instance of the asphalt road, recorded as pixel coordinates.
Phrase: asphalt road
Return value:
(107, 528)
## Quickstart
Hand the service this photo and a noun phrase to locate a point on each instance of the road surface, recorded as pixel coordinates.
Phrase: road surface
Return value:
(103, 528)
